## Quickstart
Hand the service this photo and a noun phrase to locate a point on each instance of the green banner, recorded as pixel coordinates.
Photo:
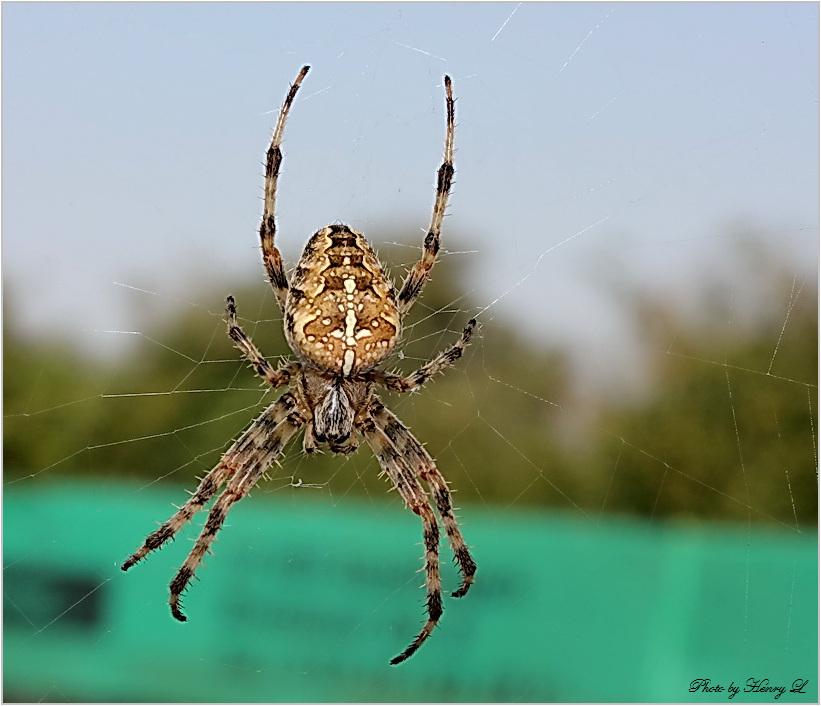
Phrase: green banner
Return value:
(309, 596)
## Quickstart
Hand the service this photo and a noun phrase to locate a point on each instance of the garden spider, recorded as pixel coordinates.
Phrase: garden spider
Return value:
(342, 318)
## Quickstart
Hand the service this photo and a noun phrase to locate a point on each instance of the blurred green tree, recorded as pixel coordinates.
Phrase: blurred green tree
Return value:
(726, 431)
(729, 429)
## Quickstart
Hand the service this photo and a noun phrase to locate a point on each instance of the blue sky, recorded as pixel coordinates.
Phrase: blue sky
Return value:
(596, 143)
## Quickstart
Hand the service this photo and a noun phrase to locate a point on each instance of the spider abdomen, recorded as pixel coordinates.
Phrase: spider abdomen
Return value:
(340, 312)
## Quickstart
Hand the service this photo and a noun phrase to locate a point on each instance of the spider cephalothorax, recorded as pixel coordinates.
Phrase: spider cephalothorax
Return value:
(342, 318)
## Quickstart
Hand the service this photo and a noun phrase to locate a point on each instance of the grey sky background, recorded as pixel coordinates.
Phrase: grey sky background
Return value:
(597, 143)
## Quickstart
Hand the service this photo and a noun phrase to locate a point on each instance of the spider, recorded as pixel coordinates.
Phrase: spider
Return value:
(342, 317)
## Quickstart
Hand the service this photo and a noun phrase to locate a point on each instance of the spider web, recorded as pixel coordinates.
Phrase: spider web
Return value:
(634, 226)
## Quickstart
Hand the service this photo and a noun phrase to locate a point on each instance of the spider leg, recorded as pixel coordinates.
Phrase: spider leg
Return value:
(415, 497)
(418, 275)
(242, 465)
(239, 453)
(268, 227)
(418, 458)
(398, 383)
(251, 455)
(275, 378)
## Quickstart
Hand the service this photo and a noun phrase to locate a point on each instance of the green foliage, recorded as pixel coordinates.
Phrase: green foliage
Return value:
(726, 430)
(730, 428)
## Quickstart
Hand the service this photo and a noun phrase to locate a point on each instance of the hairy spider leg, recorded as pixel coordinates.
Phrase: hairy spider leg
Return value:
(275, 378)
(268, 226)
(241, 453)
(252, 454)
(405, 481)
(418, 275)
(419, 459)
(412, 382)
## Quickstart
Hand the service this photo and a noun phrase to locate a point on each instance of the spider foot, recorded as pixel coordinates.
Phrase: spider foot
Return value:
(434, 608)
(178, 585)
(176, 609)
(140, 554)
(154, 541)
(469, 570)
(417, 642)
(231, 317)
(177, 613)
(128, 563)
